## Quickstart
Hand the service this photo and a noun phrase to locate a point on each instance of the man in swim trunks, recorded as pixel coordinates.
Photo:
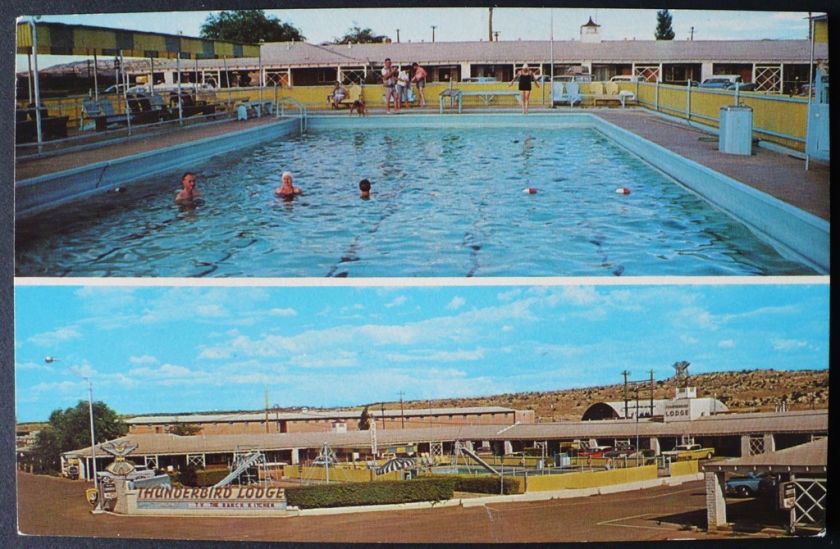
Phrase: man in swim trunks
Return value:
(188, 191)
(389, 81)
(364, 189)
(526, 78)
(287, 190)
(420, 79)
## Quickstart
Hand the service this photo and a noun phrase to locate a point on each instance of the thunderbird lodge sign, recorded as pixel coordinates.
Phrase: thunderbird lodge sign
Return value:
(224, 498)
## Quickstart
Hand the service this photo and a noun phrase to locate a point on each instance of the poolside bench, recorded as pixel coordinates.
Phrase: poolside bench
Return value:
(489, 96)
(453, 95)
(52, 127)
(606, 93)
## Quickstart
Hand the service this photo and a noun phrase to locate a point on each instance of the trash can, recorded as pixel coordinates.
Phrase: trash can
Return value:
(735, 135)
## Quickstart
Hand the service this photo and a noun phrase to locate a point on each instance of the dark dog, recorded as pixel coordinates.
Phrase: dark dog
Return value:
(358, 106)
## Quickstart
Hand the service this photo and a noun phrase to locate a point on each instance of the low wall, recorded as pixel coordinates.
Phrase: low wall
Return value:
(590, 479)
(679, 468)
(337, 474)
(39, 194)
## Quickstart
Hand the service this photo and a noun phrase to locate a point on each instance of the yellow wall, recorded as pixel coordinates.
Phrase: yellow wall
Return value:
(778, 114)
(590, 479)
(774, 113)
(337, 474)
(679, 468)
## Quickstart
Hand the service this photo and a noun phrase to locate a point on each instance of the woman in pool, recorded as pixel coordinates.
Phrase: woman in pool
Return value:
(287, 190)
(526, 77)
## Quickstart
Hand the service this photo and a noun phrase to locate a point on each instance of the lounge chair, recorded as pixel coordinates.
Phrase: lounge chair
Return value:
(605, 93)
(573, 93)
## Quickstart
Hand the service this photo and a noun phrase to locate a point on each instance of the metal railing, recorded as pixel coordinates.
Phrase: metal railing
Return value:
(280, 110)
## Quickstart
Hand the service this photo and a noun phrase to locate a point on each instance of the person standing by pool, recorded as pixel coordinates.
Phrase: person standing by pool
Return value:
(526, 78)
(389, 80)
(287, 189)
(420, 79)
(403, 83)
(188, 190)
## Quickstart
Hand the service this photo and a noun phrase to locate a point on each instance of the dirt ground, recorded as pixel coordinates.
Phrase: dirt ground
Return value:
(56, 507)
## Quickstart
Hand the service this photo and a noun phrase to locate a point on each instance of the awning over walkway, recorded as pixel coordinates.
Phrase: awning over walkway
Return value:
(809, 457)
(62, 39)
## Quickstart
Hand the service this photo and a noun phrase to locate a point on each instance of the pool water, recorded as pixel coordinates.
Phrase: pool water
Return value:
(445, 202)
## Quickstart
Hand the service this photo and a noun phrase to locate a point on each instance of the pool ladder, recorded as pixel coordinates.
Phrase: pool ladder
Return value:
(281, 111)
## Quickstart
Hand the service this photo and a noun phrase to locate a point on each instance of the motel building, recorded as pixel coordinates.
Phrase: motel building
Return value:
(774, 66)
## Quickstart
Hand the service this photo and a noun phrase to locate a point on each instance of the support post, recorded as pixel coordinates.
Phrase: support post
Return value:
(715, 501)
(36, 86)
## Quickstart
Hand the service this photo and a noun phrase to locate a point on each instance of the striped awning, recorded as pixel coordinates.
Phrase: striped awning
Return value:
(62, 39)
(395, 464)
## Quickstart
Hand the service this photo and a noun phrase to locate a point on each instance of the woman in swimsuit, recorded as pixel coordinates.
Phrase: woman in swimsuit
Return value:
(287, 190)
(526, 78)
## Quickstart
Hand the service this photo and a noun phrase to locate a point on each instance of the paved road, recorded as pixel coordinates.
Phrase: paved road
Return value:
(56, 507)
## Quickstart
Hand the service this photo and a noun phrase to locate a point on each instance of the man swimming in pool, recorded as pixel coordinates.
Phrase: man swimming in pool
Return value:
(364, 189)
(287, 190)
(189, 192)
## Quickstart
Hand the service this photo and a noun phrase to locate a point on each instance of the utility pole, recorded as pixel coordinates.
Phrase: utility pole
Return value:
(625, 373)
(651, 392)
(433, 32)
(691, 34)
(490, 26)
(402, 411)
(265, 389)
(398, 36)
(382, 411)
(496, 35)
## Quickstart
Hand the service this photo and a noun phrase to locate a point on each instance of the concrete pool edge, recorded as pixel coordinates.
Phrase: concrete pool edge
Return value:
(43, 193)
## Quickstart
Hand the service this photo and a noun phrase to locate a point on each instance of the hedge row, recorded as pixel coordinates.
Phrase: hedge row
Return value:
(489, 485)
(371, 493)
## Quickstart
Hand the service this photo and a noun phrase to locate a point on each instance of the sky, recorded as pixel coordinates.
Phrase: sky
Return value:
(187, 349)
(464, 24)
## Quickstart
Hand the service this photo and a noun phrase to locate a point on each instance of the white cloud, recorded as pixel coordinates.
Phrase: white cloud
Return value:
(31, 365)
(211, 310)
(726, 343)
(396, 302)
(788, 344)
(508, 295)
(437, 356)
(143, 359)
(507, 328)
(456, 303)
(580, 295)
(685, 338)
(288, 311)
(59, 335)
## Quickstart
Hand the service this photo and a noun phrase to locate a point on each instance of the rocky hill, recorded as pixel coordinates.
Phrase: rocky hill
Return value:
(744, 391)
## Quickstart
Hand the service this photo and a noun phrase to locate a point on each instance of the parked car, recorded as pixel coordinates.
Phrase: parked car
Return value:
(727, 82)
(683, 452)
(751, 484)
(625, 78)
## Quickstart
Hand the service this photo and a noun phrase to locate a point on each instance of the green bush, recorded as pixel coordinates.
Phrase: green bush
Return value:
(370, 493)
(488, 485)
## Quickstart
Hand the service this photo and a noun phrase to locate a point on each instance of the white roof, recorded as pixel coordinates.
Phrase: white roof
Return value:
(304, 54)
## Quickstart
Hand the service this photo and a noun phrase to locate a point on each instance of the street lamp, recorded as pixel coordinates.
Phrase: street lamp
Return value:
(433, 32)
(50, 360)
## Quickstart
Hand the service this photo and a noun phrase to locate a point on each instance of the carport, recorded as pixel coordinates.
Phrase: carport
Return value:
(804, 491)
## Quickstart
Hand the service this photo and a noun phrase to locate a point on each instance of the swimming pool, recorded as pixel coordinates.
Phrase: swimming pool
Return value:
(447, 201)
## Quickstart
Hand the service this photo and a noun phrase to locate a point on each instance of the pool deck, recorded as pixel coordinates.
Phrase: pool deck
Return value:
(774, 173)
